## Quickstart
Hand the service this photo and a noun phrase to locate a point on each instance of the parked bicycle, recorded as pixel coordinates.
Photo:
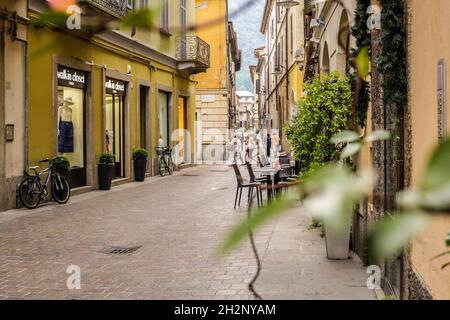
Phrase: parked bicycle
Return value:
(164, 160)
(32, 191)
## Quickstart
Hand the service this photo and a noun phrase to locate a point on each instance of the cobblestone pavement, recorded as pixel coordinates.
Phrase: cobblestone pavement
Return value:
(179, 221)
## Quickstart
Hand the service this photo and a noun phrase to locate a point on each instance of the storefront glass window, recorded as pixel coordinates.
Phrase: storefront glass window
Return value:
(71, 125)
(163, 116)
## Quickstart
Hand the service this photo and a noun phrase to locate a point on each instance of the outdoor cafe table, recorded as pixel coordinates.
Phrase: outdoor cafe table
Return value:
(270, 173)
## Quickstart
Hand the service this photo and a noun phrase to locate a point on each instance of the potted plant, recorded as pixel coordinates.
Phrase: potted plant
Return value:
(140, 156)
(105, 169)
(61, 165)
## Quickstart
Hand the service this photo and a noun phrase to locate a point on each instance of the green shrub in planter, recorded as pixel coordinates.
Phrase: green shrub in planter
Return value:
(140, 163)
(105, 170)
(106, 158)
(140, 154)
(61, 165)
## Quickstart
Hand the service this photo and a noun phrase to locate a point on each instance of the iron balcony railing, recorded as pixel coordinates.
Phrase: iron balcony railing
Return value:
(193, 49)
(116, 8)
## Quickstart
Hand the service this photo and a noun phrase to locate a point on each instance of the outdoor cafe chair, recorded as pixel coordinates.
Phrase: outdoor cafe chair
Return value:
(241, 184)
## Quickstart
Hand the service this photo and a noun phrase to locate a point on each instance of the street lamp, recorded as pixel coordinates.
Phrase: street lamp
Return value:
(287, 3)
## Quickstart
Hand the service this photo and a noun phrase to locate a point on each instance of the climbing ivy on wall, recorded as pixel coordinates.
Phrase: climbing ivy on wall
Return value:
(392, 60)
(363, 40)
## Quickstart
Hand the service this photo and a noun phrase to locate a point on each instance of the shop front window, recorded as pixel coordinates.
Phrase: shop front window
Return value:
(114, 120)
(71, 126)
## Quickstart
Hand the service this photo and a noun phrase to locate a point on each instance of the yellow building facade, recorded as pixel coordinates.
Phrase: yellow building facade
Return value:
(214, 89)
(429, 121)
(113, 92)
(13, 52)
(283, 28)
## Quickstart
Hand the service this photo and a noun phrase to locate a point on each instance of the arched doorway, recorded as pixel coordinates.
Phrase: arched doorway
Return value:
(343, 65)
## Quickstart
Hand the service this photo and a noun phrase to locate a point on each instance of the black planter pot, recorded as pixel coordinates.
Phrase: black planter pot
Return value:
(140, 167)
(105, 176)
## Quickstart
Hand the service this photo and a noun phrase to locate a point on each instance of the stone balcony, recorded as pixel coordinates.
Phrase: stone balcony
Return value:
(193, 54)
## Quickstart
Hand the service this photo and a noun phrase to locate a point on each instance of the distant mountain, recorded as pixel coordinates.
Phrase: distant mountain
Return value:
(247, 23)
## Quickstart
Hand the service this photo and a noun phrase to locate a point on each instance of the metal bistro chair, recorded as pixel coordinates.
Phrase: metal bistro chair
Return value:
(254, 179)
(285, 172)
(287, 180)
(241, 184)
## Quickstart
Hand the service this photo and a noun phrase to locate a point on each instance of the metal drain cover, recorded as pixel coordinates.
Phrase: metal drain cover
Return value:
(218, 170)
(190, 175)
(119, 250)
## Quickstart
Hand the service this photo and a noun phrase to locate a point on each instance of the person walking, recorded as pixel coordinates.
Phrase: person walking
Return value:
(258, 151)
(275, 145)
(268, 145)
(236, 148)
(246, 149)
(251, 147)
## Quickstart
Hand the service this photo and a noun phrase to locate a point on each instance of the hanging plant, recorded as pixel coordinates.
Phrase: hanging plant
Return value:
(363, 40)
(392, 60)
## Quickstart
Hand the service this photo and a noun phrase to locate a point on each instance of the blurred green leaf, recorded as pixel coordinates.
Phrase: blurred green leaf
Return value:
(333, 199)
(326, 175)
(437, 173)
(391, 234)
(363, 62)
(143, 18)
(256, 219)
(437, 199)
(345, 136)
(378, 135)
(50, 17)
(350, 150)
(409, 199)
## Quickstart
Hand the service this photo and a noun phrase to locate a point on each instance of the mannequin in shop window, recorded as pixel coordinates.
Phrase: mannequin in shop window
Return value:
(65, 137)
(108, 141)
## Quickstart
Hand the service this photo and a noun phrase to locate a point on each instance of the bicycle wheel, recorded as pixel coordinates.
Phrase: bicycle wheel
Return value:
(60, 189)
(29, 193)
(162, 166)
(169, 165)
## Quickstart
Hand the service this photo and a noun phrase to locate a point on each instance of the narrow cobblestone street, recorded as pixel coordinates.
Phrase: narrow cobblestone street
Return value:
(179, 234)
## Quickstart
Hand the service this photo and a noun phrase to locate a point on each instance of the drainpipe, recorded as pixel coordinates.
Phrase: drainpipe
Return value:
(25, 103)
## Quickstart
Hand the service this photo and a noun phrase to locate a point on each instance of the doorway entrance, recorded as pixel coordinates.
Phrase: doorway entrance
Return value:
(182, 126)
(114, 121)
(163, 119)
